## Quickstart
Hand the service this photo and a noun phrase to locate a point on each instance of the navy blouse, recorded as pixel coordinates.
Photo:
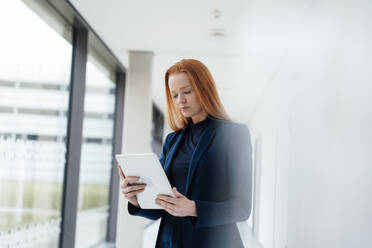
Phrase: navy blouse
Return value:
(181, 161)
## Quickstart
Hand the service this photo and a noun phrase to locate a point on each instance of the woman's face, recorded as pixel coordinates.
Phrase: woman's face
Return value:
(185, 98)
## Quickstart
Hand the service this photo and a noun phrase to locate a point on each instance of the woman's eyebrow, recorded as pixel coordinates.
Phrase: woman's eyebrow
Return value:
(181, 88)
(185, 86)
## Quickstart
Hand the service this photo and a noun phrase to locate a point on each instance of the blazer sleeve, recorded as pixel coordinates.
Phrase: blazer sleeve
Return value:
(237, 206)
(152, 214)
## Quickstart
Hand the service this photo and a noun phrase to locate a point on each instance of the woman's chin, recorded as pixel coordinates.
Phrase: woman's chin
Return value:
(185, 114)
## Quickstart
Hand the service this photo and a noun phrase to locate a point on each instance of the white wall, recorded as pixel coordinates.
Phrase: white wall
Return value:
(314, 123)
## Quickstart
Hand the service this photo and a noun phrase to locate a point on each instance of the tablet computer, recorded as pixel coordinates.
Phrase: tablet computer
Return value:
(146, 166)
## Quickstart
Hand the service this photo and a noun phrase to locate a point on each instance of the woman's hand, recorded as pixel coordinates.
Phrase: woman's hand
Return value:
(180, 206)
(130, 191)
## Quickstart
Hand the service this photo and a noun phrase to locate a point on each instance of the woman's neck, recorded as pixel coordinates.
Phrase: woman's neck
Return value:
(198, 118)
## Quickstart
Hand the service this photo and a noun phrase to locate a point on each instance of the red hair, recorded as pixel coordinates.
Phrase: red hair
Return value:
(204, 86)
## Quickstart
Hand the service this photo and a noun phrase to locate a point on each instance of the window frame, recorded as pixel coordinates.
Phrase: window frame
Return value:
(64, 18)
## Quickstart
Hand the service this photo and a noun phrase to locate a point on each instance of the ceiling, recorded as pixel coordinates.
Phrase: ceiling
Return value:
(244, 60)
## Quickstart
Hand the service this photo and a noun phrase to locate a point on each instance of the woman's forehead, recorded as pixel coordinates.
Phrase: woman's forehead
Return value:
(178, 81)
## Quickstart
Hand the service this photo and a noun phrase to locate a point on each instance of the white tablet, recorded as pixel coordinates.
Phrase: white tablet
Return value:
(147, 166)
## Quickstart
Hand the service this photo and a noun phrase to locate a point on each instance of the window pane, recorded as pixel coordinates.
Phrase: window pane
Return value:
(96, 157)
(34, 81)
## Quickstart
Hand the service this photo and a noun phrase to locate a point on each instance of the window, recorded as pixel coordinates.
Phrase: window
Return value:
(34, 89)
(37, 124)
(96, 156)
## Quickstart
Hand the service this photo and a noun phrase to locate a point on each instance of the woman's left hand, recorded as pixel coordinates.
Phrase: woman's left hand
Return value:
(180, 206)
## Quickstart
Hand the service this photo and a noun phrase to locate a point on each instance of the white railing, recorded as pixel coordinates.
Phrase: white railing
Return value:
(91, 229)
(24, 160)
(91, 226)
(41, 234)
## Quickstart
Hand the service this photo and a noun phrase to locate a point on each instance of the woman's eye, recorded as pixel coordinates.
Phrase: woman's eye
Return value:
(187, 92)
(175, 96)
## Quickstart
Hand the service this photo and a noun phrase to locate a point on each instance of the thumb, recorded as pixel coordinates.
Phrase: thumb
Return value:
(176, 193)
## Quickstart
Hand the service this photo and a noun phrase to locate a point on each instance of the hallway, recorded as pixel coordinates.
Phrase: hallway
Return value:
(83, 80)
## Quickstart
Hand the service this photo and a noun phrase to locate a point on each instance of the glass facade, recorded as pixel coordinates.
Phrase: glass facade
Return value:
(35, 80)
(96, 155)
(35, 67)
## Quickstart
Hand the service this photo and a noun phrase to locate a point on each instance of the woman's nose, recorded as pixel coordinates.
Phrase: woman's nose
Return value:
(181, 99)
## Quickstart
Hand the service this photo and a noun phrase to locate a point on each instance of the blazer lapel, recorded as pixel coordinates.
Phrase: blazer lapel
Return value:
(201, 147)
(170, 156)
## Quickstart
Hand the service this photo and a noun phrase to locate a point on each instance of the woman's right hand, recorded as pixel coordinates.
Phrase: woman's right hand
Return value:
(130, 191)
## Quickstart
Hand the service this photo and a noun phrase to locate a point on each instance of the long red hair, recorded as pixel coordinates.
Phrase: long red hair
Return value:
(204, 86)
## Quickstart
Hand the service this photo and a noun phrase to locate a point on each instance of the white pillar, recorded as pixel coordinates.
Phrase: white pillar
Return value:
(136, 137)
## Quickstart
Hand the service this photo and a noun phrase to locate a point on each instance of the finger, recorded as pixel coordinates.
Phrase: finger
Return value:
(165, 204)
(176, 193)
(167, 199)
(131, 179)
(128, 189)
(123, 186)
(121, 173)
(166, 195)
(133, 193)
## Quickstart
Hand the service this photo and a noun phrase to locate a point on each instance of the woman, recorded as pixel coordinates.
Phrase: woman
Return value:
(208, 162)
